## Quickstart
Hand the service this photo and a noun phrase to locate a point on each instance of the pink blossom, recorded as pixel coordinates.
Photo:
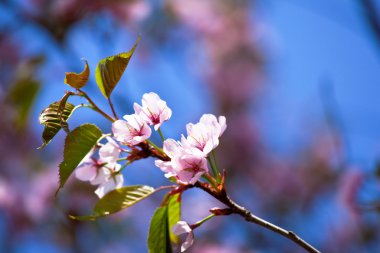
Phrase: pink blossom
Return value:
(201, 15)
(109, 152)
(187, 164)
(219, 124)
(131, 131)
(189, 167)
(106, 176)
(39, 196)
(87, 171)
(138, 10)
(7, 195)
(205, 134)
(183, 228)
(87, 168)
(114, 182)
(349, 187)
(108, 179)
(154, 110)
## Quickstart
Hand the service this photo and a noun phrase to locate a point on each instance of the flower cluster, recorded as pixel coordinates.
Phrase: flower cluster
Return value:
(104, 171)
(187, 159)
(134, 129)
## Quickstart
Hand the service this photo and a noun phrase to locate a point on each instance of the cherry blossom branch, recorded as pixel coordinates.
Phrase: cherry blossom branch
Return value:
(161, 134)
(249, 216)
(165, 187)
(155, 146)
(112, 108)
(146, 150)
(95, 107)
(375, 206)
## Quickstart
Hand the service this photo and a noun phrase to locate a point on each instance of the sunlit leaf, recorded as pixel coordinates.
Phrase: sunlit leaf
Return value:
(52, 121)
(158, 238)
(117, 200)
(77, 144)
(174, 215)
(122, 198)
(78, 80)
(109, 70)
(61, 107)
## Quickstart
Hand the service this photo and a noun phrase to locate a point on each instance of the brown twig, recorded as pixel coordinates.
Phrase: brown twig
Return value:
(248, 216)
(220, 194)
(112, 108)
(144, 151)
(96, 108)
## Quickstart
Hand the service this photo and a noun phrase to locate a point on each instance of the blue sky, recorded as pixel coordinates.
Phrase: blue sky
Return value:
(314, 42)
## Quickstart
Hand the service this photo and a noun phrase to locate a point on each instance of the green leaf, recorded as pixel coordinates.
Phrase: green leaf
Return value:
(158, 238)
(52, 120)
(61, 107)
(174, 215)
(77, 145)
(78, 80)
(22, 97)
(109, 70)
(117, 200)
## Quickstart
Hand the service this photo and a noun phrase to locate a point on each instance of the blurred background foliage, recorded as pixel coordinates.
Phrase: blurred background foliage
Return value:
(298, 82)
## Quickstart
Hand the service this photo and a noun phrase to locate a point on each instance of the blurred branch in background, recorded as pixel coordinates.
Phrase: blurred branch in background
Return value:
(335, 124)
(372, 16)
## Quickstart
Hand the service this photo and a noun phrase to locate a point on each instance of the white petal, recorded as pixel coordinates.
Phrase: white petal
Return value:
(164, 166)
(110, 152)
(111, 184)
(223, 124)
(101, 176)
(189, 128)
(188, 242)
(196, 177)
(112, 141)
(185, 177)
(134, 121)
(157, 126)
(86, 172)
(119, 180)
(116, 167)
(171, 147)
(208, 119)
(181, 227)
(151, 102)
(138, 108)
(165, 114)
(146, 131)
(120, 130)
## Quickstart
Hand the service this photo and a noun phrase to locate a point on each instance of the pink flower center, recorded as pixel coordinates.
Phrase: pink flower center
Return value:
(155, 118)
(200, 144)
(194, 167)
